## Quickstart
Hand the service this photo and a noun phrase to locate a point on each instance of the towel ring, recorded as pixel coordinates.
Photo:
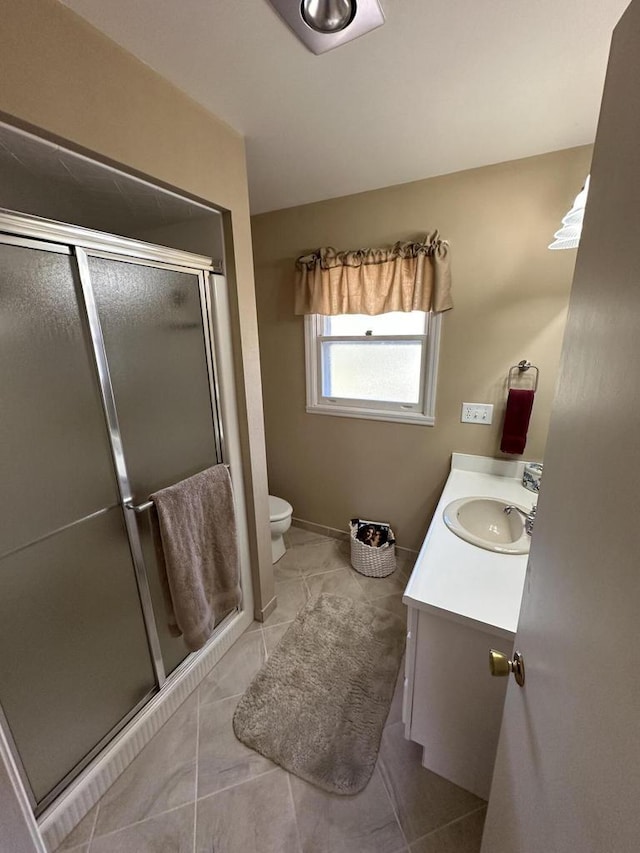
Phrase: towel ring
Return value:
(522, 367)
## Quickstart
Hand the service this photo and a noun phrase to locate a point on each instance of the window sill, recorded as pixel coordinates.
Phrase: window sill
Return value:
(373, 414)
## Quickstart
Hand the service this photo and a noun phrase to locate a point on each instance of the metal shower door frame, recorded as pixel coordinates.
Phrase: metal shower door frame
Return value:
(82, 256)
(81, 244)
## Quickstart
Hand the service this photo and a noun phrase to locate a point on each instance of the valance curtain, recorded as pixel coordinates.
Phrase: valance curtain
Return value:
(408, 277)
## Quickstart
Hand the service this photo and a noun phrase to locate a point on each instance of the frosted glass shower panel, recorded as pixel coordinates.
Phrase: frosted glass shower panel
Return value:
(153, 332)
(152, 325)
(372, 370)
(55, 457)
(75, 659)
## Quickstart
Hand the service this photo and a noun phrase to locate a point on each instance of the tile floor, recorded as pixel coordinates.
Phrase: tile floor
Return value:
(196, 789)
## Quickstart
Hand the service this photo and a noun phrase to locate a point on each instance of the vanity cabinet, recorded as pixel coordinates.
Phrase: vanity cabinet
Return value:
(451, 705)
(462, 601)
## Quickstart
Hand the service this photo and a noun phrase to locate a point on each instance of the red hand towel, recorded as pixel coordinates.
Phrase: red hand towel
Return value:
(516, 420)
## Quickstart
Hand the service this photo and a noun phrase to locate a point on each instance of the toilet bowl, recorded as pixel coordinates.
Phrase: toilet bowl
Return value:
(280, 518)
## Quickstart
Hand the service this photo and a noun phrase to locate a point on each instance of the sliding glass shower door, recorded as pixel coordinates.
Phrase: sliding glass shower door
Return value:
(107, 394)
(74, 656)
(157, 351)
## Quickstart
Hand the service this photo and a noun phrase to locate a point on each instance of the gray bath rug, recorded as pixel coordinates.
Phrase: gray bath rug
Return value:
(318, 705)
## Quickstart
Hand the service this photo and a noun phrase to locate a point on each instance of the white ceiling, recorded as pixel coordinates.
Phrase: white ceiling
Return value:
(444, 85)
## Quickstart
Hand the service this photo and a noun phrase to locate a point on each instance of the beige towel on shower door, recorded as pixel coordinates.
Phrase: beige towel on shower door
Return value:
(199, 552)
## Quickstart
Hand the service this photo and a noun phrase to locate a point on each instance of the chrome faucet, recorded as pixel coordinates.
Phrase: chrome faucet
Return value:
(529, 517)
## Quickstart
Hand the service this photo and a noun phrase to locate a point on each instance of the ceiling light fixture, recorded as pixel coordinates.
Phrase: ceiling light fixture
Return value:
(568, 237)
(322, 25)
(327, 16)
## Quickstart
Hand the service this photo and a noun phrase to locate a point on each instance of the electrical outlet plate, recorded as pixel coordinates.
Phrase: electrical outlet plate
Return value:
(477, 413)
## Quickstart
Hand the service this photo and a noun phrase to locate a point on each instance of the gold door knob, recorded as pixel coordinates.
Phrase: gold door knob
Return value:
(500, 665)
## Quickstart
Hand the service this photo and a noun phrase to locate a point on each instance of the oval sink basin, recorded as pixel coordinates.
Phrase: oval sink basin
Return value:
(484, 522)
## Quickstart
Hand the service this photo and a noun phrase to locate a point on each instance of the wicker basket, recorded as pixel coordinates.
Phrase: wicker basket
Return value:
(370, 561)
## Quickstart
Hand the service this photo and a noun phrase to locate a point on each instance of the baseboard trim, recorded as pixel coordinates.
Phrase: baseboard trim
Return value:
(85, 791)
(334, 533)
(263, 614)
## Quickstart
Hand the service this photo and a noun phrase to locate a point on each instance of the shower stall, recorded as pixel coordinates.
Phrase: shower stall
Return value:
(109, 392)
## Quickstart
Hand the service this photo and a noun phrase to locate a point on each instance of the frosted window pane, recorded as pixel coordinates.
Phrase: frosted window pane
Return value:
(394, 323)
(373, 370)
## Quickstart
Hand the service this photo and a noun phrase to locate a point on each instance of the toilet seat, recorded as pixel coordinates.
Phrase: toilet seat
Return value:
(279, 509)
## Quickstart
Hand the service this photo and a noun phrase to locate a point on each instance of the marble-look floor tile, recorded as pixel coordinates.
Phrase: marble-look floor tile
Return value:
(406, 562)
(170, 832)
(256, 817)
(364, 823)
(462, 836)
(222, 759)
(291, 596)
(81, 833)
(378, 587)
(325, 557)
(423, 800)
(301, 536)
(288, 566)
(272, 636)
(235, 671)
(312, 559)
(255, 626)
(161, 777)
(339, 582)
(393, 603)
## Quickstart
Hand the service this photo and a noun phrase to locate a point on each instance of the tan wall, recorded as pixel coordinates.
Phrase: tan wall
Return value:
(60, 75)
(510, 297)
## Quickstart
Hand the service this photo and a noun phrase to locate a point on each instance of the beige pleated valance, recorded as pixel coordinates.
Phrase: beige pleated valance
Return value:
(408, 277)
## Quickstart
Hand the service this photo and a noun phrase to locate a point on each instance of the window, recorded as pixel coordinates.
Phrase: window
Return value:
(382, 367)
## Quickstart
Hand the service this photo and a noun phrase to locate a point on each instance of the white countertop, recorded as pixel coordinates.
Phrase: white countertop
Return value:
(463, 582)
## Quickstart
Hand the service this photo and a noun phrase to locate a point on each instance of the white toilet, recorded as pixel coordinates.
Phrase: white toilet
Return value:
(280, 517)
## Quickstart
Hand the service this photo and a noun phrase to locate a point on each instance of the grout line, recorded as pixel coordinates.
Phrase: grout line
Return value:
(264, 644)
(143, 820)
(390, 798)
(93, 828)
(195, 798)
(325, 572)
(451, 823)
(195, 824)
(307, 591)
(216, 701)
(295, 813)
(236, 784)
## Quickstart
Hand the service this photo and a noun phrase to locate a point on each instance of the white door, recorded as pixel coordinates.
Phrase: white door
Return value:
(567, 777)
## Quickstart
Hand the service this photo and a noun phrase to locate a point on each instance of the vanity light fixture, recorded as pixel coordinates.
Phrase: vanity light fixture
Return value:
(322, 25)
(568, 237)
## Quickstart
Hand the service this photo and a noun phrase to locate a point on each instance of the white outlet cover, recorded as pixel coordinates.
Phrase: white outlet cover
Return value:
(477, 413)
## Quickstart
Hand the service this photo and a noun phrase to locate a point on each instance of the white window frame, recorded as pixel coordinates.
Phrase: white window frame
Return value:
(422, 412)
